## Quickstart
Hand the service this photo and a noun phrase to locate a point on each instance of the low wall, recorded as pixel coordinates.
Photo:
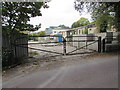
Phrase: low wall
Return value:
(114, 44)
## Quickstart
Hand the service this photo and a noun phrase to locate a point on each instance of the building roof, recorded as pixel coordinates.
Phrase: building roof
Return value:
(52, 27)
(61, 28)
(87, 26)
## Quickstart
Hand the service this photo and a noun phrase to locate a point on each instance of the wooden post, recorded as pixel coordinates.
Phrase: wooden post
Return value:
(99, 44)
(64, 46)
(103, 45)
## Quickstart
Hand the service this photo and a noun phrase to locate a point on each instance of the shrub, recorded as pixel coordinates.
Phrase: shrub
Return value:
(7, 57)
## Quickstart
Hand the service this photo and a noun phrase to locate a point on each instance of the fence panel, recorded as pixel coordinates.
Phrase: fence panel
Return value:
(12, 54)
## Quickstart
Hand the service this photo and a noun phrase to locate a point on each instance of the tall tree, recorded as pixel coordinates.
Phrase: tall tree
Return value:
(81, 22)
(15, 15)
(100, 9)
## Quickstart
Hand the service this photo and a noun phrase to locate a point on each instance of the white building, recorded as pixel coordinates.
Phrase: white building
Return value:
(59, 30)
(49, 31)
(91, 29)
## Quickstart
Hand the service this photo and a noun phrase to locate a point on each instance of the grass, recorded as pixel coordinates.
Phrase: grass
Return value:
(33, 53)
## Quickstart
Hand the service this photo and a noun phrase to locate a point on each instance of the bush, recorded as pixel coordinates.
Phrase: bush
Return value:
(7, 57)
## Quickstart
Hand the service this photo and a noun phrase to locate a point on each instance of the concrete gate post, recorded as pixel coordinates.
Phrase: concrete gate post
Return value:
(64, 46)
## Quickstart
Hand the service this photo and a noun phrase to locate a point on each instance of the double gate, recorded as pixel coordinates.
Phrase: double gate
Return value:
(46, 43)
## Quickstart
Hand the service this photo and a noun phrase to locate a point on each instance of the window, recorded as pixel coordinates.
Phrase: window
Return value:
(79, 32)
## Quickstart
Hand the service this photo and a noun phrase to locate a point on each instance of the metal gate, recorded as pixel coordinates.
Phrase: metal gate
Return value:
(45, 43)
(87, 40)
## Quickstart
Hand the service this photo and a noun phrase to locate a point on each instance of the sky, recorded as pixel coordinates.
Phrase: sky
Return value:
(59, 12)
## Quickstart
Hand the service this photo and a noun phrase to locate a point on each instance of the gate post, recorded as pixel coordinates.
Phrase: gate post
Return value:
(86, 44)
(103, 45)
(64, 46)
(99, 44)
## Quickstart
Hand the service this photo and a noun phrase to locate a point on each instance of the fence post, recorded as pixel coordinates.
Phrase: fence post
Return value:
(99, 44)
(64, 46)
(86, 44)
(103, 45)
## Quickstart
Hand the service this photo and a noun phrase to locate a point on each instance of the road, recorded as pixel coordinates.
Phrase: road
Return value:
(101, 74)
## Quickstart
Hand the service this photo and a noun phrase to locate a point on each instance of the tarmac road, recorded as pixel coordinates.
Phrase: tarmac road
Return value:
(100, 74)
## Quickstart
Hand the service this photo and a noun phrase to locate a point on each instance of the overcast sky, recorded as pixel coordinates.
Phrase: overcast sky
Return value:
(59, 12)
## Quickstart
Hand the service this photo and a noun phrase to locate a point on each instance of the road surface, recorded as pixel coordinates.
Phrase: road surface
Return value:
(101, 74)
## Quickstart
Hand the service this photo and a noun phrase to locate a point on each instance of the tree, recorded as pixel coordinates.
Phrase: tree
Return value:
(81, 22)
(41, 33)
(104, 22)
(31, 36)
(100, 9)
(74, 25)
(15, 15)
(61, 26)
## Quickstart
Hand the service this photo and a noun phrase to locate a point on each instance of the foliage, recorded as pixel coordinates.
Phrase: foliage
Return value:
(93, 22)
(86, 31)
(30, 37)
(7, 55)
(63, 26)
(81, 22)
(36, 34)
(100, 9)
(15, 15)
(41, 33)
(104, 22)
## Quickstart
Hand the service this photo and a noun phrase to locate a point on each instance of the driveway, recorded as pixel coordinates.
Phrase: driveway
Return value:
(102, 73)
